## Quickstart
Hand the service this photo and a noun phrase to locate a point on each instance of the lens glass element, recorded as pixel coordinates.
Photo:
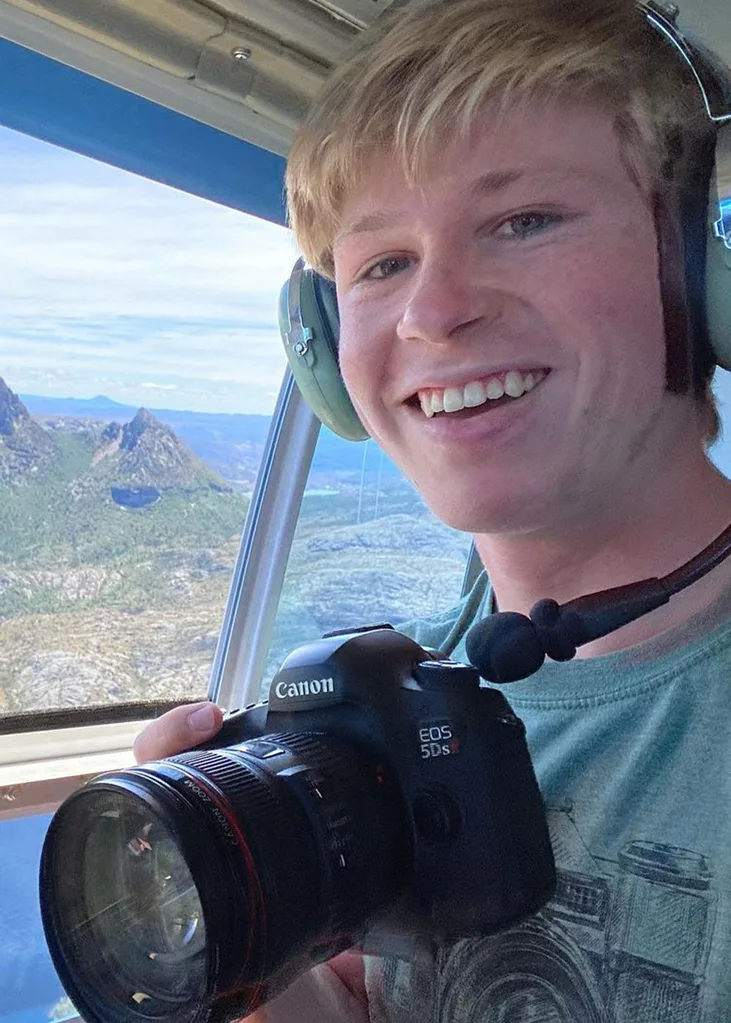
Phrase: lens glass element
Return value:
(137, 916)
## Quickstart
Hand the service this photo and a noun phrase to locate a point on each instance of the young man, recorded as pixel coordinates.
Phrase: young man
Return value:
(504, 195)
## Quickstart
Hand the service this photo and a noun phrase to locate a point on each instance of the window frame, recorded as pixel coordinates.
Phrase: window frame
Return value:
(264, 550)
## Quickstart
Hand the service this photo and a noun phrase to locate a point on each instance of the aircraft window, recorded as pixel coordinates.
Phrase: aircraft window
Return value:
(720, 452)
(114, 286)
(140, 368)
(366, 550)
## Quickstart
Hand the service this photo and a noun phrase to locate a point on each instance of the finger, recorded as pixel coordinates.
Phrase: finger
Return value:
(178, 730)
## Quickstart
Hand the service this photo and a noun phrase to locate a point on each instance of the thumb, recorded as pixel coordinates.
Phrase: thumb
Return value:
(180, 729)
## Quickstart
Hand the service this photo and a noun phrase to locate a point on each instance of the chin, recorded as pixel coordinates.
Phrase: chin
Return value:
(472, 514)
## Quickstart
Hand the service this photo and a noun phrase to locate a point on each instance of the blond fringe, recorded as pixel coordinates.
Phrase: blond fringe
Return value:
(424, 75)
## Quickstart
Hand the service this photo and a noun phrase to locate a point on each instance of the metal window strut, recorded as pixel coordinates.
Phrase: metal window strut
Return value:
(258, 575)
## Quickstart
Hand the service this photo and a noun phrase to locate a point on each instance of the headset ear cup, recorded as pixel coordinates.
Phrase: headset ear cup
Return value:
(718, 286)
(310, 327)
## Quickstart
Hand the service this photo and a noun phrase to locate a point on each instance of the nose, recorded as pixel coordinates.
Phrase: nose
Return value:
(444, 300)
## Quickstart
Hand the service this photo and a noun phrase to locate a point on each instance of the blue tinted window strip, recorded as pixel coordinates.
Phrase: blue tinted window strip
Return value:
(50, 101)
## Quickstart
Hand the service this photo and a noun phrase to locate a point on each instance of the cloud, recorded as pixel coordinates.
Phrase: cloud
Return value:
(107, 278)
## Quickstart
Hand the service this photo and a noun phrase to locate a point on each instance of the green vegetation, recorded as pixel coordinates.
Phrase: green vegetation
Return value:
(100, 601)
(65, 514)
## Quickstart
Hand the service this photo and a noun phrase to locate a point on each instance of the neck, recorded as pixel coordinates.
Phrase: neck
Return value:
(665, 526)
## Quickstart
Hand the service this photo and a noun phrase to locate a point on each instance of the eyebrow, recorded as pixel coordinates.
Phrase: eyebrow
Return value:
(486, 184)
(495, 181)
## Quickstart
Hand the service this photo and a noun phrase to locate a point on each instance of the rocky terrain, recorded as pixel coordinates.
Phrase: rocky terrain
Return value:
(117, 544)
(230, 445)
(116, 547)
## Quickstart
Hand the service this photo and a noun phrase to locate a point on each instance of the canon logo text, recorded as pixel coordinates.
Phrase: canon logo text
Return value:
(310, 687)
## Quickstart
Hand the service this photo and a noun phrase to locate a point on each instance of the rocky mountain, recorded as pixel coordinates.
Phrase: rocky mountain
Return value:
(133, 463)
(67, 486)
(143, 459)
(116, 546)
(25, 447)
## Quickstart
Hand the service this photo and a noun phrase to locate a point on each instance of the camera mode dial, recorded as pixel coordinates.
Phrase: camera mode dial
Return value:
(446, 675)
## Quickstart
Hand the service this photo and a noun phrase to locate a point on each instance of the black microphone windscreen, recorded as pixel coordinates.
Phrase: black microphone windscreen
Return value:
(505, 647)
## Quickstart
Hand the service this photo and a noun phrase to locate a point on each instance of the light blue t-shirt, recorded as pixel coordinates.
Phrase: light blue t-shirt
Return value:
(633, 755)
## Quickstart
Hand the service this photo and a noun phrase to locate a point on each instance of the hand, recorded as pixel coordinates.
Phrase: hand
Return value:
(177, 731)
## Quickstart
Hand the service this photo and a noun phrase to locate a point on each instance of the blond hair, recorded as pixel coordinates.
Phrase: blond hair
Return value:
(425, 72)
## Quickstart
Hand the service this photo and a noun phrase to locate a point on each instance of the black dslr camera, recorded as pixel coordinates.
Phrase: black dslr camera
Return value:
(380, 798)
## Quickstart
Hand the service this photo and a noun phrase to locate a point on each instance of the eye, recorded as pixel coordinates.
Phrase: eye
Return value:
(524, 225)
(386, 268)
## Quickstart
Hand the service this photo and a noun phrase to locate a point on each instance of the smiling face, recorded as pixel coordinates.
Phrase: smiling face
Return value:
(502, 330)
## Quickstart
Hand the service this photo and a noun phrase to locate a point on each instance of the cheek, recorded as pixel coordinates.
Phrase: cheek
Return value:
(363, 355)
(351, 357)
(358, 373)
(619, 331)
(633, 323)
(350, 331)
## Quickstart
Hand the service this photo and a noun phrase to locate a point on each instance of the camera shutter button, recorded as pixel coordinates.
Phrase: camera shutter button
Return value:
(446, 675)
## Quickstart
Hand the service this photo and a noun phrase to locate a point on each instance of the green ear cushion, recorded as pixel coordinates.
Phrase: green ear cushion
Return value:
(309, 325)
(718, 287)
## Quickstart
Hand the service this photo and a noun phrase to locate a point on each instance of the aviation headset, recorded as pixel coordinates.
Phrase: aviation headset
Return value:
(308, 311)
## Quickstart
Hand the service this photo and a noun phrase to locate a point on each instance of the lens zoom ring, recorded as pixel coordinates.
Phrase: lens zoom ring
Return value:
(240, 785)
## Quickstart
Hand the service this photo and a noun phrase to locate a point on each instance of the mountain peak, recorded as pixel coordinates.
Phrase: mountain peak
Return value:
(12, 411)
(144, 421)
(25, 446)
(151, 455)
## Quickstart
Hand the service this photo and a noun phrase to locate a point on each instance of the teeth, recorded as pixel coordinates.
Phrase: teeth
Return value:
(513, 384)
(453, 399)
(474, 394)
(425, 402)
(477, 392)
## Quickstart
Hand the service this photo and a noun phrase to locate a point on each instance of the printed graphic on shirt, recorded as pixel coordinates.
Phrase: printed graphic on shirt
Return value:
(622, 941)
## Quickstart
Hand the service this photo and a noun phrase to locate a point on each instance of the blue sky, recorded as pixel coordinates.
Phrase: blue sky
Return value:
(112, 284)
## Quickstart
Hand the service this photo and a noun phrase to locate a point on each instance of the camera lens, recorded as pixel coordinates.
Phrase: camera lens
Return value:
(124, 895)
(193, 889)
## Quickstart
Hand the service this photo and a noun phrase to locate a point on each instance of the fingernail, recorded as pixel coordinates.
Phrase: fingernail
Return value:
(203, 719)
